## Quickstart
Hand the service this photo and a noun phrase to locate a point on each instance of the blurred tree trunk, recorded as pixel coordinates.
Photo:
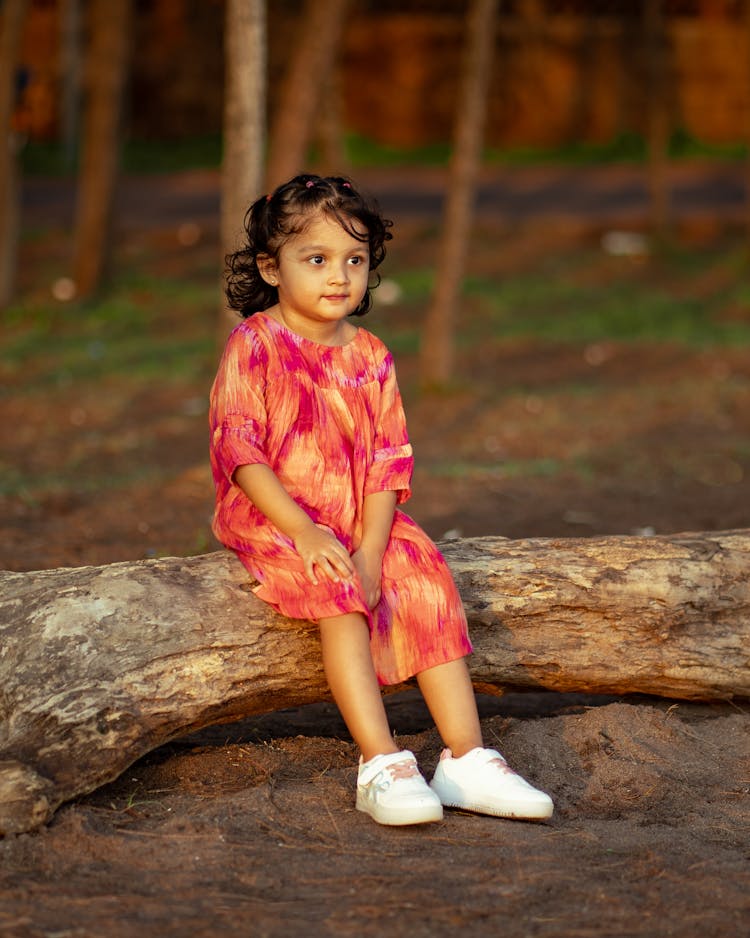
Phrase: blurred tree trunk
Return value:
(714, 9)
(244, 125)
(587, 64)
(70, 77)
(107, 67)
(329, 137)
(301, 96)
(11, 26)
(438, 343)
(657, 118)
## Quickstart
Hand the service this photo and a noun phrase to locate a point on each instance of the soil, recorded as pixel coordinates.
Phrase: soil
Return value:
(250, 828)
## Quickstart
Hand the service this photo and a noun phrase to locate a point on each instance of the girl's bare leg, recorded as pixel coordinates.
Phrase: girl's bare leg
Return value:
(348, 666)
(449, 695)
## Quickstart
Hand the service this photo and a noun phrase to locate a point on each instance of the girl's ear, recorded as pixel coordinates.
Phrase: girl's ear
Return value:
(267, 269)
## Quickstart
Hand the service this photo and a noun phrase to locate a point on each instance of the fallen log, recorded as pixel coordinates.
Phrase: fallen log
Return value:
(99, 665)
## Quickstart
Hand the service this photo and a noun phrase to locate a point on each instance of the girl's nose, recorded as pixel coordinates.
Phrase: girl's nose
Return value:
(339, 274)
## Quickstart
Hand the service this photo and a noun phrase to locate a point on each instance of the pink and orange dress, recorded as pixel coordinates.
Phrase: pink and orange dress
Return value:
(330, 423)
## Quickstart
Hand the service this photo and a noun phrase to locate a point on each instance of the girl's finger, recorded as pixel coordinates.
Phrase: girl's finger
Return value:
(338, 560)
(343, 565)
(325, 565)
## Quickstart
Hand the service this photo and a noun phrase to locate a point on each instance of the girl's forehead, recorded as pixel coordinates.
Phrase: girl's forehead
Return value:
(323, 228)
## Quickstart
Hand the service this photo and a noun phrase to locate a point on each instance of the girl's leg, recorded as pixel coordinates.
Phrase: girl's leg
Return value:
(482, 781)
(348, 666)
(449, 695)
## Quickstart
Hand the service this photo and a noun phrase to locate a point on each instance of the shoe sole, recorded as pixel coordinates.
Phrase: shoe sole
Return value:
(392, 817)
(541, 813)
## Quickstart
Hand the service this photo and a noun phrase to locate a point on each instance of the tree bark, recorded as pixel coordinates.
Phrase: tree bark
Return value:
(329, 134)
(657, 118)
(106, 75)
(244, 126)
(438, 342)
(70, 77)
(11, 28)
(308, 76)
(99, 665)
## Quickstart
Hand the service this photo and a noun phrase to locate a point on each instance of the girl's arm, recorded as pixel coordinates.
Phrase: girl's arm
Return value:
(377, 521)
(316, 547)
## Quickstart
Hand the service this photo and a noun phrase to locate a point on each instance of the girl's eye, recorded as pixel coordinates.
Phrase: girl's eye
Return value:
(356, 260)
(317, 260)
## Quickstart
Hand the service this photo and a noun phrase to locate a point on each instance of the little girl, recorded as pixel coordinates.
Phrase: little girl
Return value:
(310, 457)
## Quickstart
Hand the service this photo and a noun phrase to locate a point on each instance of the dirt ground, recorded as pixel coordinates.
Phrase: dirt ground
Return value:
(251, 829)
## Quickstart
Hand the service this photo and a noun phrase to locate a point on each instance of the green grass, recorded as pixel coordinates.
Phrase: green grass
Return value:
(84, 478)
(363, 151)
(164, 156)
(152, 330)
(623, 148)
(653, 302)
(160, 327)
(146, 327)
(48, 158)
(621, 311)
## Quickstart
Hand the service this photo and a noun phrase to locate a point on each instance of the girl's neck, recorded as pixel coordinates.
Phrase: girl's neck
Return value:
(333, 334)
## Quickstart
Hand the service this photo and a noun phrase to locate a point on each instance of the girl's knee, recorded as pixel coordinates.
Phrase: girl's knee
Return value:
(347, 621)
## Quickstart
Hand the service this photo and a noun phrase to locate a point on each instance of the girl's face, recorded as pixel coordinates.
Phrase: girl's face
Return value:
(321, 276)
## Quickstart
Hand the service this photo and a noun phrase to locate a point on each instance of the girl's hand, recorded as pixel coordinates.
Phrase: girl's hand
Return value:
(370, 571)
(320, 550)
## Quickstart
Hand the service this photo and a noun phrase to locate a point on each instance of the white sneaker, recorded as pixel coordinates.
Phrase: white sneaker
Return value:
(392, 791)
(482, 781)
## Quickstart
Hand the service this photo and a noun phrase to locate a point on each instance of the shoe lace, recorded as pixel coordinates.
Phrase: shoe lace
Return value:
(501, 765)
(406, 768)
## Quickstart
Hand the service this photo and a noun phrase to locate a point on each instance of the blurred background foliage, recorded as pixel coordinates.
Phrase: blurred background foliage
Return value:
(607, 237)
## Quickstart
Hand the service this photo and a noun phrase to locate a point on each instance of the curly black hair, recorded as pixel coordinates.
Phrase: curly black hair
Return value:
(273, 218)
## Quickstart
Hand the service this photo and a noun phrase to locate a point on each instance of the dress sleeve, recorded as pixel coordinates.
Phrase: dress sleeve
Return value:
(392, 460)
(237, 413)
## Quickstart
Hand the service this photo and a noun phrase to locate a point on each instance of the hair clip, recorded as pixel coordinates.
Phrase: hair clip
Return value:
(309, 184)
(268, 197)
(346, 185)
